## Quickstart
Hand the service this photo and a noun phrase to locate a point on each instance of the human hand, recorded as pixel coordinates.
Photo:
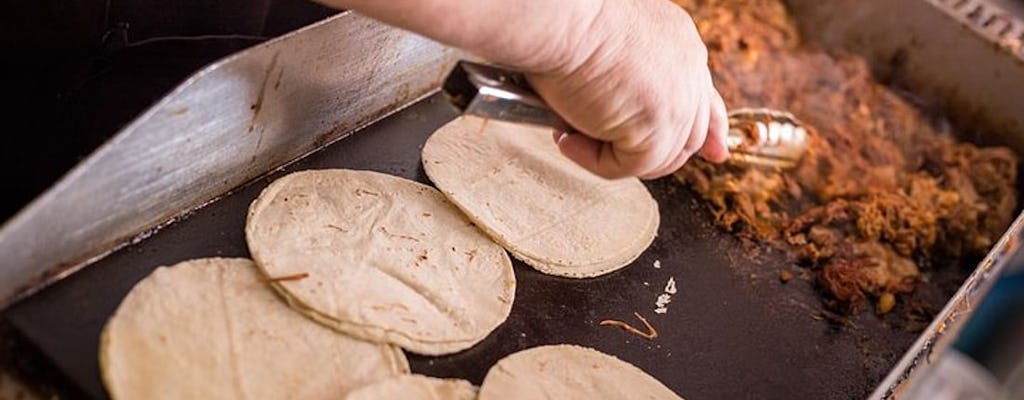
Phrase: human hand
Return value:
(630, 75)
(642, 95)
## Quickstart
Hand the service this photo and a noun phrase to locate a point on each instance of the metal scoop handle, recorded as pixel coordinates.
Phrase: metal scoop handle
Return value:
(494, 93)
(756, 136)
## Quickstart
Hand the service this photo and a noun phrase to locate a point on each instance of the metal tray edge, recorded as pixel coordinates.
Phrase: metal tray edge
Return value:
(944, 328)
(174, 157)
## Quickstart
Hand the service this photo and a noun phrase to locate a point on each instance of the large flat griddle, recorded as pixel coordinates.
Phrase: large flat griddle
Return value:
(732, 331)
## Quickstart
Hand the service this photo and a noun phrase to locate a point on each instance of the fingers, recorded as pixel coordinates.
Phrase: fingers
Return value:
(663, 155)
(641, 108)
(671, 164)
(716, 149)
(593, 155)
(687, 139)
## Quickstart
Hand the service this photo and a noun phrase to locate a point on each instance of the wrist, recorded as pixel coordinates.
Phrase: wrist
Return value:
(551, 38)
(589, 30)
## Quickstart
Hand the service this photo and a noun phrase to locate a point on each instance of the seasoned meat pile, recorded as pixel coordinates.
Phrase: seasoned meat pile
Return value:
(884, 191)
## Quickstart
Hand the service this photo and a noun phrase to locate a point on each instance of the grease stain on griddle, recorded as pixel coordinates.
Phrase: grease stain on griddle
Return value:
(280, 77)
(257, 106)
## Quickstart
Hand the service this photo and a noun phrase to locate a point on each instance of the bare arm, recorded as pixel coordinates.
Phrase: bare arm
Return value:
(493, 29)
(630, 74)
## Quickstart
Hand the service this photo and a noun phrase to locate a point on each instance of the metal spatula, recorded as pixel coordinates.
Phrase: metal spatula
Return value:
(757, 136)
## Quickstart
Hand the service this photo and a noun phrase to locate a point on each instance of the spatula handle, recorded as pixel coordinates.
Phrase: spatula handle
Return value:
(491, 92)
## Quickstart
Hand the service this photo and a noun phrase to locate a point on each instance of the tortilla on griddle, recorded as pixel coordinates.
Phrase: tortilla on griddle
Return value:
(388, 259)
(416, 387)
(546, 210)
(212, 329)
(569, 372)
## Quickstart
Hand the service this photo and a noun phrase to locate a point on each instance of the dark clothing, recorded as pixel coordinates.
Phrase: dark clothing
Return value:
(75, 71)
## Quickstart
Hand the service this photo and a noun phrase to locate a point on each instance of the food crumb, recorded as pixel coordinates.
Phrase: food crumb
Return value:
(885, 303)
(661, 304)
(785, 276)
(650, 334)
(657, 264)
(663, 300)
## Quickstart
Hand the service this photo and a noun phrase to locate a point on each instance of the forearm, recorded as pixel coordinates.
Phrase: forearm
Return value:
(512, 32)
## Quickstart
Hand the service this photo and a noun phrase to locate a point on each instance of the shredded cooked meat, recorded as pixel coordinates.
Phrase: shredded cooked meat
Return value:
(883, 189)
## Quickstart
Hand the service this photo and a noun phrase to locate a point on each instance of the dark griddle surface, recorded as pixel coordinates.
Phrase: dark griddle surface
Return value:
(732, 331)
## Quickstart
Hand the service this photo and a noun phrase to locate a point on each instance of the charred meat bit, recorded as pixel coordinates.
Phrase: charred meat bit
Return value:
(785, 276)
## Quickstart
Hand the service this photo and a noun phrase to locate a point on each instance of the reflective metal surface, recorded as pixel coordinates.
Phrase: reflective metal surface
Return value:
(227, 124)
(943, 330)
(766, 137)
(494, 93)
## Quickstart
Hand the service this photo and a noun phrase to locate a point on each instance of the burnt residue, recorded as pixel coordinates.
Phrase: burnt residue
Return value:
(280, 77)
(406, 95)
(257, 105)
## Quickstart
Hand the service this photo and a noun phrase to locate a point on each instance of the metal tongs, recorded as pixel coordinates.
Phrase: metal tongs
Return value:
(757, 136)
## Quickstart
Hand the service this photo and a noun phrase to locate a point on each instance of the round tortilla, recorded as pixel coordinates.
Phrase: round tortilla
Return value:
(569, 372)
(388, 259)
(545, 209)
(416, 387)
(212, 329)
